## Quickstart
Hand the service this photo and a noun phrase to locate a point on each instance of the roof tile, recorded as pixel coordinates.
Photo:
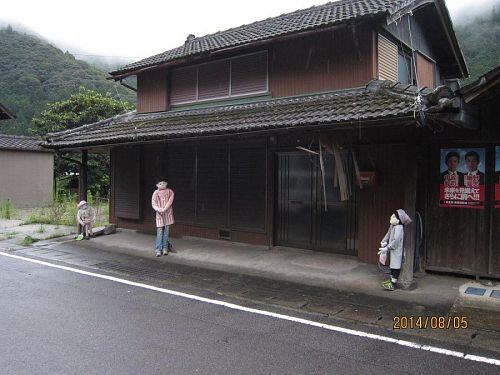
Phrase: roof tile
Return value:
(20, 143)
(333, 108)
(301, 20)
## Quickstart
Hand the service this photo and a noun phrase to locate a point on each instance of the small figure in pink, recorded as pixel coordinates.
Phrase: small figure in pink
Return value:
(162, 201)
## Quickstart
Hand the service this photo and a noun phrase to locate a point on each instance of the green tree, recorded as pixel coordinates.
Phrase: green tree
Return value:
(85, 107)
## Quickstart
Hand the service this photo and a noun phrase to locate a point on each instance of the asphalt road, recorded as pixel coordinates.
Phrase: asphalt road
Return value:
(54, 321)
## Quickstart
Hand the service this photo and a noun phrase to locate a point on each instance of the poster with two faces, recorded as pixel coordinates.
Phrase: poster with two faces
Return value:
(462, 178)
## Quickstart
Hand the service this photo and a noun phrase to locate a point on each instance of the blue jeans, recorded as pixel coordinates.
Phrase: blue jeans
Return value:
(161, 238)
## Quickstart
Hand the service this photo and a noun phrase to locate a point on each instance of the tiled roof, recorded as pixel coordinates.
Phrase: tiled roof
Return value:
(380, 100)
(488, 83)
(20, 143)
(301, 20)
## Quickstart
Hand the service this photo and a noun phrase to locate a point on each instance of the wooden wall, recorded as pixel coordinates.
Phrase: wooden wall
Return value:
(495, 242)
(456, 238)
(419, 32)
(465, 240)
(376, 204)
(490, 113)
(331, 60)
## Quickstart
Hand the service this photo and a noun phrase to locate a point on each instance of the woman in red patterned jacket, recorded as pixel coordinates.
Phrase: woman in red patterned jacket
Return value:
(162, 201)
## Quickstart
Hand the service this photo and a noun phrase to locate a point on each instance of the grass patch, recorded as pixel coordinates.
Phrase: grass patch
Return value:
(41, 229)
(63, 212)
(6, 209)
(59, 213)
(28, 240)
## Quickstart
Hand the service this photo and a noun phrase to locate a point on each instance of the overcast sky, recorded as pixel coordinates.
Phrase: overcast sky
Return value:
(139, 29)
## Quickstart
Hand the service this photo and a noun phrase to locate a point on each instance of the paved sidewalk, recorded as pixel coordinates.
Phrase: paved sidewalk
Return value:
(338, 288)
(286, 264)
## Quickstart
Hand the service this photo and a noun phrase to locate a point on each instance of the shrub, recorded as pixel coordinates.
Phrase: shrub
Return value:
(28, 240)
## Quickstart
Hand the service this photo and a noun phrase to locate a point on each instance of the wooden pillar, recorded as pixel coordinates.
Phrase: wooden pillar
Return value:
(406, 280)
(82, 178)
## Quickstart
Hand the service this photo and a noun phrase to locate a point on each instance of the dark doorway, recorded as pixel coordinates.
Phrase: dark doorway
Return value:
(301, 219)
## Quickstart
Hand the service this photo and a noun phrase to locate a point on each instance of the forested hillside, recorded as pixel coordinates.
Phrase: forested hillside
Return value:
(34, 73)
(480, 43)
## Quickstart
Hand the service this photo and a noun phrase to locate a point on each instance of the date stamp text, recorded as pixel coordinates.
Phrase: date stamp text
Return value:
(430, 322)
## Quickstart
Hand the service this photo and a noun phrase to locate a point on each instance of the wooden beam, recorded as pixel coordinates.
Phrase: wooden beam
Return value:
(406, 281)
(82, 178)
(128, 86)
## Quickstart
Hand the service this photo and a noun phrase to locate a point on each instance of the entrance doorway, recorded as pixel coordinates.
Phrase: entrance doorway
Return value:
(301, 219)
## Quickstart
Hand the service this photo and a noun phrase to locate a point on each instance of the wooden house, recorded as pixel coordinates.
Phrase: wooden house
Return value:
(244, 125)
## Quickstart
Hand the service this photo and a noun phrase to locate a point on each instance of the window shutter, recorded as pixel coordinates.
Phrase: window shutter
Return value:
(387, 59)
(425, 71)
(182, 180)
(127, 163)
(213, 80)
(152, 91)
(249, 74)
(183, 85)
(248, 187)
(212, 190)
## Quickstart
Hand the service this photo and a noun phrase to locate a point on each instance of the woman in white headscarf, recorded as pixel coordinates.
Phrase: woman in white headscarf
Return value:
(393, 242)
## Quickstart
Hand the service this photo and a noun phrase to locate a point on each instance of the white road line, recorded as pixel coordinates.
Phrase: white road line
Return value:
(352, 332)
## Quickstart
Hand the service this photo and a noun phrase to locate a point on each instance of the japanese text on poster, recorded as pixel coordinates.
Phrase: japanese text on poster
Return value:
(462, 178)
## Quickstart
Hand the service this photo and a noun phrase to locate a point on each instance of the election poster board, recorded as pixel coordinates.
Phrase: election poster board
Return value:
(497, 177)
(462, 178)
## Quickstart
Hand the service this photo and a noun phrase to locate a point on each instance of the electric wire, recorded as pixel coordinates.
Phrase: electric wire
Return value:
(418, 98)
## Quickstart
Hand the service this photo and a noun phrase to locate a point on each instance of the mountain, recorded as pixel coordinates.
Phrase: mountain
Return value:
(479, 39)
(33, 73)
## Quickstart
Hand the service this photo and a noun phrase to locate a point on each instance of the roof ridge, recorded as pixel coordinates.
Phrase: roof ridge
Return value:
(271, 18)
(400, 4)
(21, 137)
